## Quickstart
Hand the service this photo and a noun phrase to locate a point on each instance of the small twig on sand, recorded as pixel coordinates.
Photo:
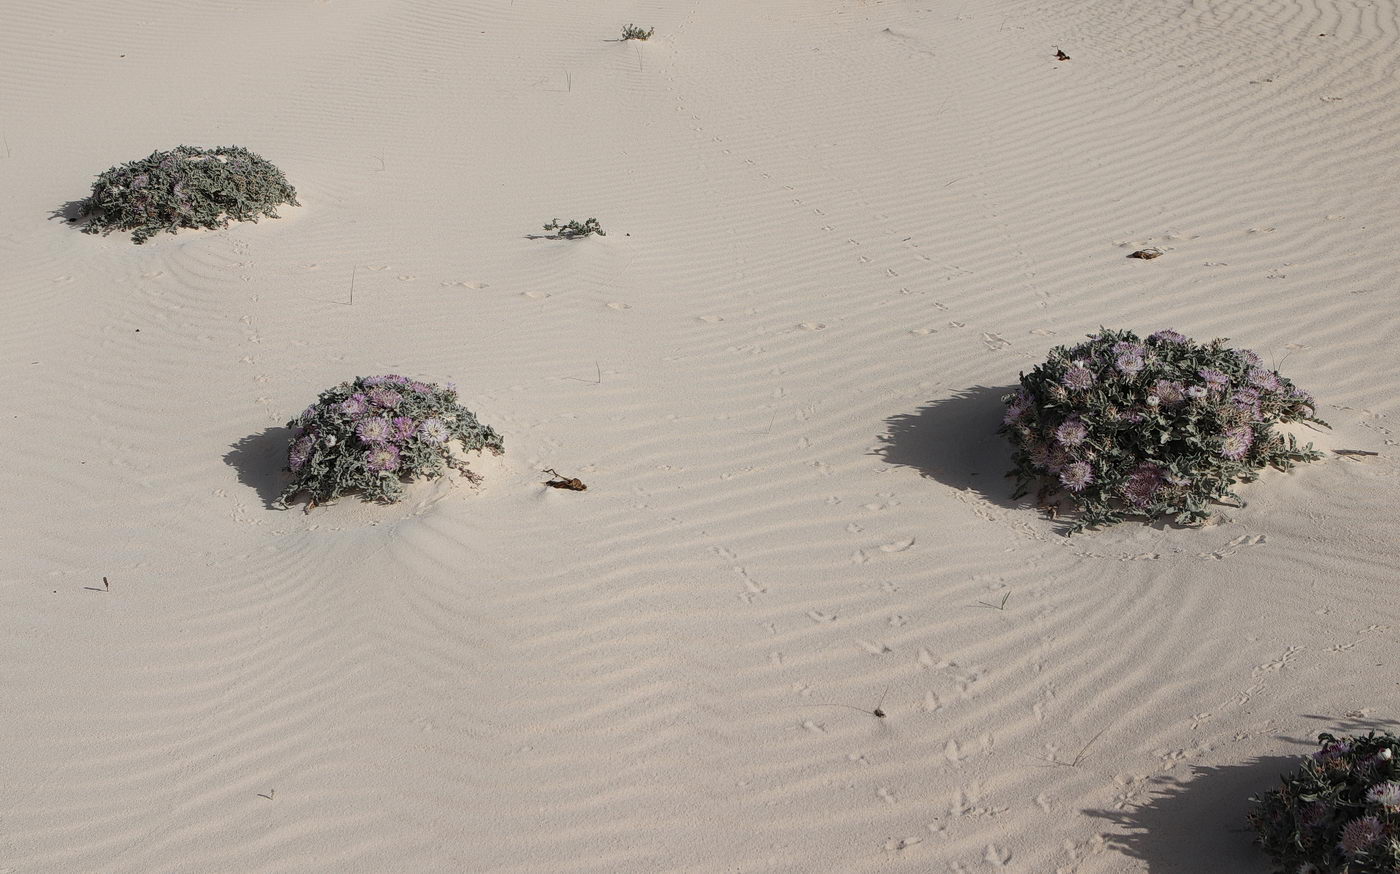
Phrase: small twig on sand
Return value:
(1079, 758)
(599, 381)
(877, 712)
(1001, 606)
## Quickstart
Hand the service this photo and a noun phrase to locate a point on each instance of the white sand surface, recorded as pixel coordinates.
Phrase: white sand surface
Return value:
(836, 232)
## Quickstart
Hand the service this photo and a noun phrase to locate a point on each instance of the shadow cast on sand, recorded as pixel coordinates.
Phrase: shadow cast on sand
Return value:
(1199, 823)
(955, 441)
(70, 212)
(260, 460)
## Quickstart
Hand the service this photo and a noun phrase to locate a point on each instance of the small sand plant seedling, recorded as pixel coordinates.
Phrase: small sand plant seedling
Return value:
(575, 229)
(185, 188)
(1339, 812)
(375, 433)
(632, 31)
(1156, 427)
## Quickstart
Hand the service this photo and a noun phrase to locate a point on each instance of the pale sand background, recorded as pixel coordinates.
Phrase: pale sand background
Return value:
(836, 232)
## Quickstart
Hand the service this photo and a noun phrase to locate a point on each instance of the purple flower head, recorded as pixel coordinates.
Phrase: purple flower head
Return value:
(375, 380)
(1360, 834)
(1077, 475)
(434, 431)
(1170, 392)
(1130, 364)
(375, 430)
(1142, 484)
(354, 405)
(1169, 336)
(1013, 414)
(1332, 752)
(1265, 380)
(1237, 442)
(1196, 392)
(382, 458)
(403, 428)
(1247, 400)
(1314, 815)
(1216, 380)
(1071, 433)
(1385, 794)
(1249, 357)
(422, 388)
(384, 397)
(1077, 378)
(300, 452)
(307, 414)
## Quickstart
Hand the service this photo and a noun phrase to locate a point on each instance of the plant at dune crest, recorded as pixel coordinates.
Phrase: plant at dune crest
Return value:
(185, 187)
(373, 434)
(1156, 427)
(575, 229)
(1339, 813)
(632, 31)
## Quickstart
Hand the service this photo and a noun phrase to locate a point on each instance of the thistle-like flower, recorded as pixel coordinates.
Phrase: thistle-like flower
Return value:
(375, 430)
(1386, 794)
(300, 452)
(1130, 364)
(1071, 433)
(403, 428)
(382, 459)
(434, 431)
(1077, 476)
(1169, 336)
(385, 398)
(354, 405)
(1078, 378)
(1360, 834)
(1236, 442)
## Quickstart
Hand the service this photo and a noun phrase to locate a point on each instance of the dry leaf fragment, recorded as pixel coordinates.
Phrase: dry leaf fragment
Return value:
(1060, 54)
(573, 484)
(1148, 254)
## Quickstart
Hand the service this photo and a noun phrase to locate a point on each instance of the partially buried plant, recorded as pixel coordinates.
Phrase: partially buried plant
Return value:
(575, 229)
(374, 433)
(185, 187)
(1339, 812)
(632, 31)
(1152, 428)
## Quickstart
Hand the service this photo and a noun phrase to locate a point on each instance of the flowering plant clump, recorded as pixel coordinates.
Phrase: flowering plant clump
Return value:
(185, 188)
(1339, 813)
(373, 434)
(1155, 427)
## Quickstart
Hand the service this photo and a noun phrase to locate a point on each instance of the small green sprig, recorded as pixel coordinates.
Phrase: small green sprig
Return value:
(185, 187)
(632, 31)
(574, 229)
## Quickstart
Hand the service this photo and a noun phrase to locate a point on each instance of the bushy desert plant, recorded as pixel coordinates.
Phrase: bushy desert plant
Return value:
(1156, 427)
(373, 434)
(1337, 814)
(185, 187)
(632, 31)
(575, 228)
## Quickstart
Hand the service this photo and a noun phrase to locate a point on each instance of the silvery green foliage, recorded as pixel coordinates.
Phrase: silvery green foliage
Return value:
(575, 228)
(632, 31)
(1337, 814)
(373, 434)
(185, 187)
(1152, 428)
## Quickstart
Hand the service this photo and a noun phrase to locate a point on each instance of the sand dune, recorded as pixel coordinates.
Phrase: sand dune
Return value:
(836, 233)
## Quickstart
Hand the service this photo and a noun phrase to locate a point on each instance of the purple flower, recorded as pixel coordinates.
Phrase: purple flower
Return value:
(1169, 336)
(301, 451)
(1247, 400)
(1170, 392)
(1077, 378)
(1249, 357)
(1360, 834)
(1265, 380)
(307, 414)
(385, 397)
(375, 430)
(382, 458)
(1142, 484)
(1077, 475)
(1386, 794)
(1013, 414)
(434, 431)
(1237, 442)
(1332, 752)
(1216, 381)
(1130, 364)
(422, 388)
(354, 405)
(1071, 433)
(375, 380)
(1196, 392)
(403, 428)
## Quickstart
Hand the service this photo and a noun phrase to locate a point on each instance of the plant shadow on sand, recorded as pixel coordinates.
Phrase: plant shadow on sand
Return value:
(1198, 823)
(955, 441)
(260, 460)
(70, 213)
